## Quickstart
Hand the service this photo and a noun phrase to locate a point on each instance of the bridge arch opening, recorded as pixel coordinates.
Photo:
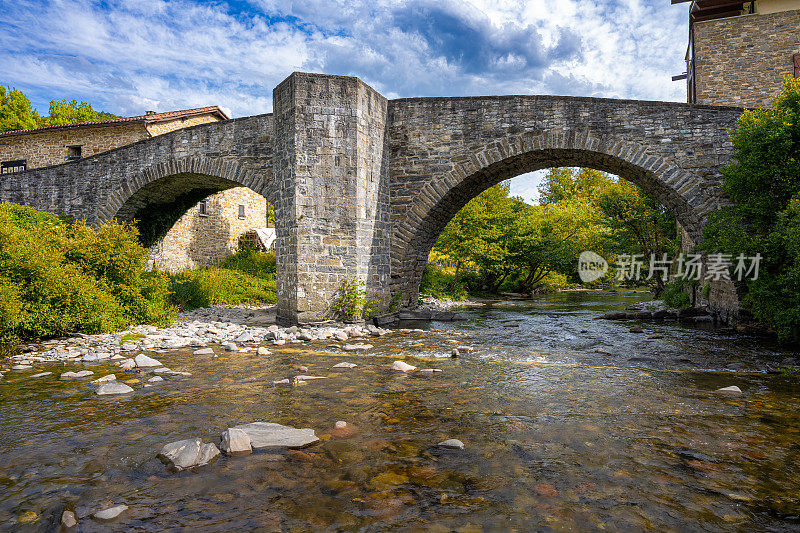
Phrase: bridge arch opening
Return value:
(190, 219)
(443, 198)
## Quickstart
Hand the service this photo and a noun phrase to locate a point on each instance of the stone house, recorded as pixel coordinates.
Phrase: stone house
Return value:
(208, 231)
(740, 52)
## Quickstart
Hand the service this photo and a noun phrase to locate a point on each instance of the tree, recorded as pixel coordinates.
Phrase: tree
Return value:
(641, 224)
(16, 112)
(763, 181)
(567, 183)
(72, 112)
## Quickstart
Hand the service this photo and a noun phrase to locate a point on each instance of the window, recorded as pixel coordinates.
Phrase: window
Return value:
(203, 208)
(241, 211)
(7, 167)
(73, 153)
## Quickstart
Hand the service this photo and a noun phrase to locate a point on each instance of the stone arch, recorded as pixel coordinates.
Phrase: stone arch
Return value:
(471, 173)
(167, 180)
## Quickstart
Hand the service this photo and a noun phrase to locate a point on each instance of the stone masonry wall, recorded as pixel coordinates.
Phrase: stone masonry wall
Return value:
(742, 61)
(445, 151)
(197, 240)
(332, 207)
(47, 148)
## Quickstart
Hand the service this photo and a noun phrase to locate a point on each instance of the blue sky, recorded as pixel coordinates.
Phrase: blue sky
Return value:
(129, 56)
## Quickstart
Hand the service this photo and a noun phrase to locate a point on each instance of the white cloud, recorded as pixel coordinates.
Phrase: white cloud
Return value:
(126, 57)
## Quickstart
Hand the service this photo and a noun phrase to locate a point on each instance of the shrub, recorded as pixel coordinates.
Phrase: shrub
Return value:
(676, 295)
(351, 300)
(58, 278)
(763, 180)
(213, 285)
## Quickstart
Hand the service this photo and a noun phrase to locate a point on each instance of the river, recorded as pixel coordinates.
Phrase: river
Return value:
(558, 437)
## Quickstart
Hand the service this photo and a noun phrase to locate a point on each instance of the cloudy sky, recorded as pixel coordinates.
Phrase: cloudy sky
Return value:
(128, 56)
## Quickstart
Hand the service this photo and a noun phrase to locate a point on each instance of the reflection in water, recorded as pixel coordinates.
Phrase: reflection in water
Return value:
(557, 435)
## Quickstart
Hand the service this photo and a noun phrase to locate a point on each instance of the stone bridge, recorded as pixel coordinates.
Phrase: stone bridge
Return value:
(362, 185)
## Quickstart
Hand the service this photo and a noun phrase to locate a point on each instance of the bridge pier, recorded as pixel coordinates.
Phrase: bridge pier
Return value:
(332, 202)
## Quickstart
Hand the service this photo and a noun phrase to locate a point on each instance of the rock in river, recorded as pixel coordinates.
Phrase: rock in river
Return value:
(733, 388)
(188, 453)
(453, 444)
(400, 366)
(356, 347)
(346, 366)
(68, 519)
(77, 375)
(142, 361)
(111, 513)
(112, 387)
(235, 442)
(272, 435)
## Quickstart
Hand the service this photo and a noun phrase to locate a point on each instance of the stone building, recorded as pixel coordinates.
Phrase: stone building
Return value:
(210, 230)
(740, 52)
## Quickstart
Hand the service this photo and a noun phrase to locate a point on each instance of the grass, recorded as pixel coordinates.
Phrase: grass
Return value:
(128, 337)
(247, 277)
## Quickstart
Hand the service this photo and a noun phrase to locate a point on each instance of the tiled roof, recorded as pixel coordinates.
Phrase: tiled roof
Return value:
(144, 119)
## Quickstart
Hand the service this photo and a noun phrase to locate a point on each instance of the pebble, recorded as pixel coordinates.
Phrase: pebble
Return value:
(279, 342)
(345, 365)
(111, 513)
(142, 361)
(77, 375)
(281, 382)
(602, 351)
(112, 388)
(41, 375)
(401, 366)
(21, 367)
(204, 351)
(68, 519)
(356, 347)
(155, 379)
(230, 346)
(262, 351)
(453, 444)
(733, 388)
(431, 370)
(302, 369)
(105, 379)
(305, 377)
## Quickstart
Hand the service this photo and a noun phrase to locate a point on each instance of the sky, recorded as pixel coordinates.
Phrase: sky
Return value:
(129, 56)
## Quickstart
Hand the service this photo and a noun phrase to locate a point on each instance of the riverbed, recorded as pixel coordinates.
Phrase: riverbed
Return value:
(568, 424)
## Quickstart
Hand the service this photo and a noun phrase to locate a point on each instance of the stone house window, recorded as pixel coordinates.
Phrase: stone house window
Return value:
(19, 165)
(202, 208)
(73, 153)
(241, 211)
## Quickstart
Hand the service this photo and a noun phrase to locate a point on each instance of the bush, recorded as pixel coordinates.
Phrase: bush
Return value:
(351, 300)
(58, 278)
(247, 277)
(764, 182)
(676, 295)
(437, 282)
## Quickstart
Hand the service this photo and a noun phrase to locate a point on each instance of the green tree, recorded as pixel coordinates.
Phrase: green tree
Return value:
(72, 112)
(641, 225)
(763, 181)
(16, 112)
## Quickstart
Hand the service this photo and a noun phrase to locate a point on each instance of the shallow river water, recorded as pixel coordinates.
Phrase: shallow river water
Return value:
(557, 436)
